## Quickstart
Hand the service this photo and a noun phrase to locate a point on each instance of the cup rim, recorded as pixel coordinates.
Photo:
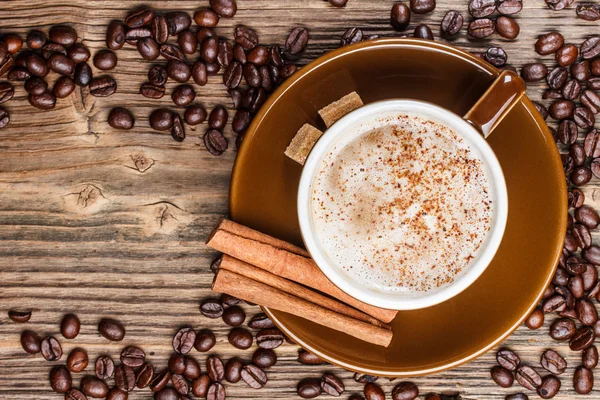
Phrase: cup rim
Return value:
(394, 300)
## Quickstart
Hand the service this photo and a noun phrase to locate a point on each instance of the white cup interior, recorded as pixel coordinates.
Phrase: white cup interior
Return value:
(362, 120)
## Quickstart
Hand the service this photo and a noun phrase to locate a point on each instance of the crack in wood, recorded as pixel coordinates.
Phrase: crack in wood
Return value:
(141, 163)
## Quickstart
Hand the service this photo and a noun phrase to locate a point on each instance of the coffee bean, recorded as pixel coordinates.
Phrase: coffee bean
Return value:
(581, 175)
(200, 385)
(178, 21)
(576, 286)
(7, 91)
(590, 277)
(36, 65)
(251, 75)
(93, 387)
(144, 375)
(125, 378)
(184, 339)
(528, 377)
(178, 71)
(217, 120)
(254, 376)
(132, 356)
(309, 388)
(481, 28)
(199, 73)
(161, 119)
(373, 391)
(405, 391)
(205, 340)
(535, 320)
(13, 42)
(232, 77)
(286, 71)
(62, 34)
(209, 49)
(148, 48)
(30, 342)
(562, 329)
(501, 376)
(577, 198)
(18, 74)
(194, 114)
(187, 41)
(115, 35)
(561, 277)
(586, 312)
(554, 303)
(158, 75)
(233, 370)
(240, 123)
(297, 40)
(583, 380)
(78, 53)
(239, 55)
(590, 48)
(245, 37)
(166, 394)
(561, 109)
(583, 338)
(134, 35)
(63, 87)
(215, 369)
(567, 132)
(482, 8)
(191, 369)
(35, 40)
(51, 349)
(587, 216)
(582, 236)
(258, 55)
(76, 394)
(591, 100)
(178, 132)
(152, 91)
(50, 49)
(549, 387)
(261, 321)
(269, 338)
(60, 379)
(180, 384)
(77, 360)
(553, 362)
(557, 77)
(557, 5)
(239, 338)
(355, 35)
(83, 74)
(588, 12)
(549, 43)
(160, 380)
(183, 95)
(172, 52)
(584, 118)
(507, 27)
(225, 8)
(111, 329)
(496, 56)
(19, 316)
(104, 367)
(332, 385)
(177, 363)
(422, 6)
(105, 60)
(422, 31)
(216, 391)
(103, 86)
(36, 85)
(571, 89)
(206, 18)
(139, 17)
(589, 357)
(534, 72)
(566, 55)
(232, 316)
(451, 23)
(160, 29)
(253, 99)
(121, 118)
(264, 358)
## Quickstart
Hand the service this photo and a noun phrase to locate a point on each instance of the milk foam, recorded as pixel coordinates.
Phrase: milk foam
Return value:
(402, 207)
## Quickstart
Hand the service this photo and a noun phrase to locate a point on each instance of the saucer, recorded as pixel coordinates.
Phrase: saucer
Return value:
(265, 182)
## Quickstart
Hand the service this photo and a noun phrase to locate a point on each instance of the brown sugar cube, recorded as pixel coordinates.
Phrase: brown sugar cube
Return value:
(302, 143)
(338, 109)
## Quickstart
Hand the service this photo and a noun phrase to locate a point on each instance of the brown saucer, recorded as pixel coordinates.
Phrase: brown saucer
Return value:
(264, 185)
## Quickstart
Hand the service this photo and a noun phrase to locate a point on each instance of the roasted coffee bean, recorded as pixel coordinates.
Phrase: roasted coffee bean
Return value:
(589, 357)
(77, 360)
(183, 95)
(502, 376)
(528, 377)
(240, 123)
(172, 52)
(239, 54)
(62, 34)
(225, 8)
(18, 74)
(482, 8)
(36, 85)
(286, 71)
(580, 70)
(562, 329)
(590, 48)
(7, 64)
(216, 391)
(373, 391)
(566, 55)
(354, 35)
(496, 56)
(587, 216)
(578, 154)
(264, 358)
(481, 28)
(134, 35)
(139, 17)
(588, 12)
(160, 29)
(199, 73)
(152, 91)
(116, 394)
(571, 90)
(586, 312)
(582, 236)
(78, 53)
(194, 114)
(507, 27)
(178, 71)
(229, 300)
(567, 132)
(583, 338)
(206, 18)
(132, 356)
(13, 42)
(177, 363)
(309, 388)
(535, 320)
(144, 375)
(60, 379)
(103, 86)
(111, 329)
(557, 77)
(554, 303)
(239, 338)
(158, 75)
(557, 5)
(192, 369)
(215, 369)
(53, 48)
(225, 53)
(233, 369)
(269, 338)
(570, 243)
(35, 40)
(549, 387)
(217, 120)
(364, 378)
(592, 254)
(258, 55)
(213, 68)
(148, 48)
(37, 65)
(561, 109)
(104, 367)
(251, 75)
(422, 31)
(575, 265)
(83, 74)
(451, 23)
(422, 6)
(19, 316)
(576, 286)
(297, 40)
(161, 119)
(121, 118)
(76, 394)
(160, 380)
(534, 72)
(245, 37)
(584, 118)
(7, 91)
(332, 385)
(549, 43)
(508, 359)
(115, 35)
(232, 316)
(541, 109)
(261, 321)
(187, 41)
(211, 308)
(561, 277)
(205, 340)
(105, 60)
(166, 394)
(254, 376)
(232, 77)
(581, 175)
(583, 380)
(51, 349)
(400, 17)
(308, 358)
(30, 342)
(178, 21)
(405, 391)
(125, 378)
(209, 49)
(183, 341)
(591, 100)
(578, 198)
(200, 385)
(180, 384)
(553, 362)
(93, 387)
(61, 64)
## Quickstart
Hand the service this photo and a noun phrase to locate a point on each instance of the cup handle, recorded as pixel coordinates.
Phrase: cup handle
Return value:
(496, 102)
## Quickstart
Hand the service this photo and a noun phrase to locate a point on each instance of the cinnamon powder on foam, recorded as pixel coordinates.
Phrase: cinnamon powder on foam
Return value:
(403, 207)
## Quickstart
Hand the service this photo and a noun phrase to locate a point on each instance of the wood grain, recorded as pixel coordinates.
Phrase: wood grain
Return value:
(107, 223)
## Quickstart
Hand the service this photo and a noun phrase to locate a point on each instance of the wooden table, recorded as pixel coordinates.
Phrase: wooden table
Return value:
(107, 223)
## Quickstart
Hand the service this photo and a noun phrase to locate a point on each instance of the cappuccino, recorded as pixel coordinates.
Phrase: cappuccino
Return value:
(402, 205)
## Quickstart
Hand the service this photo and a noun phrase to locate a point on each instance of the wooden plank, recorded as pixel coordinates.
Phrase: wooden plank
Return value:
(106, 223)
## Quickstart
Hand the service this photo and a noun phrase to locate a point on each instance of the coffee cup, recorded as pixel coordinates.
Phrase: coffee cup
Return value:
(387, 269)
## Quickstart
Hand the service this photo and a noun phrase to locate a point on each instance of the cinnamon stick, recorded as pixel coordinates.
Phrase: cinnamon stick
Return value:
(271, 255)
(265, 295)
(249, 271)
